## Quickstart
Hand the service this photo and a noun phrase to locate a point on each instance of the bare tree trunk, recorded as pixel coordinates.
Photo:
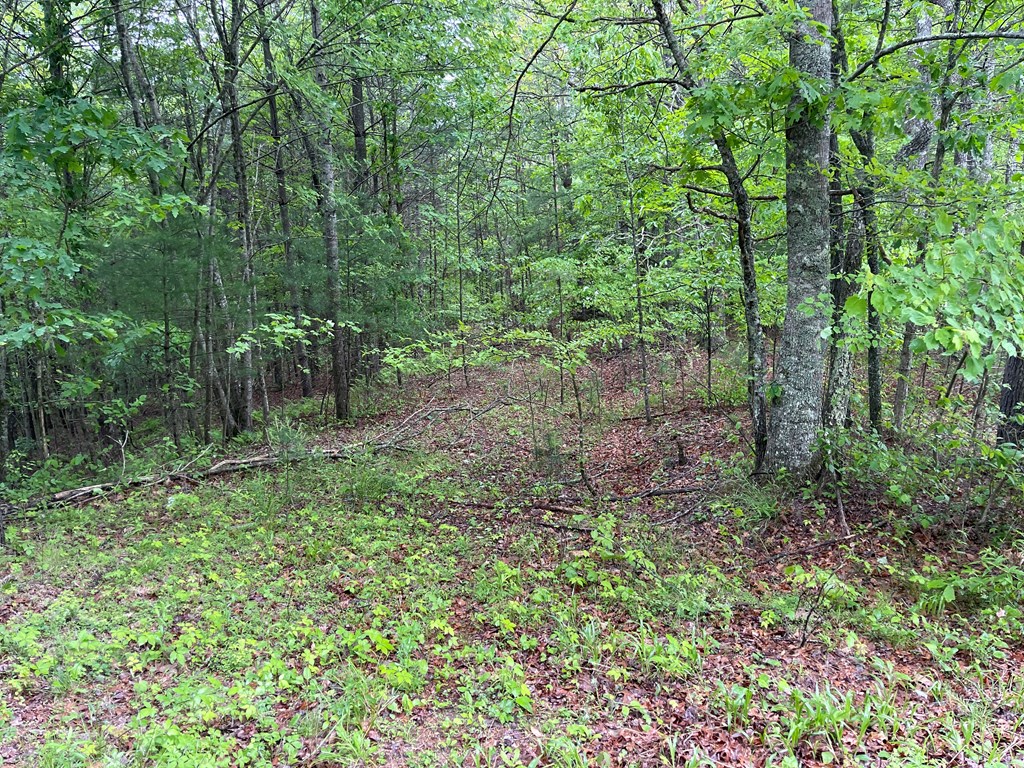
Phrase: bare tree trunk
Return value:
(756, 388)
(756, 368)
(846, 263)
(845, 246)
(865, 200)
(358, 112)
(798, 416)
(339, 361)
(638, 274)
(125, 62)
(229, 31)
(5, 411)
(1011, 402)
(273, 83)
(362, 192)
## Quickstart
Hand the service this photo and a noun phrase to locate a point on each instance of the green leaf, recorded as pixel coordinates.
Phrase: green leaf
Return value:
(856, 306)
(943, 223)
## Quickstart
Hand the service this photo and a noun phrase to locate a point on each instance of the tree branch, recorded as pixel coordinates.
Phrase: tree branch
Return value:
(954, 36)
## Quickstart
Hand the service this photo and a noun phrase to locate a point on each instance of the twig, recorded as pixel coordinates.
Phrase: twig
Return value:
(813, 548)
(71, 496)
(654, 416)
(649, 493)
(523, 503)
(540, 505)
(820, 594)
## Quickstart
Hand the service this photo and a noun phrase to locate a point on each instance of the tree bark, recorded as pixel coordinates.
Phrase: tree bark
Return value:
(756, 390)
(865, 200)
(846, 263)
(273, 83)
(797, 418)
(1011, 402)
(757, 398)
(329, 207)
(229, 31)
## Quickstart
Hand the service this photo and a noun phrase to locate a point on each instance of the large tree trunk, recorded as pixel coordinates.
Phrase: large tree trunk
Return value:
(797, 418)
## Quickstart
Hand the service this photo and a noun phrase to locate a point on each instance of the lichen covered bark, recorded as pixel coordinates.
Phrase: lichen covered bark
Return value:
(797, 416)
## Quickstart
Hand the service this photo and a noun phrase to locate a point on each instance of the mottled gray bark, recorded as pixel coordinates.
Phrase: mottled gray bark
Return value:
(797, 418)
(846, 264)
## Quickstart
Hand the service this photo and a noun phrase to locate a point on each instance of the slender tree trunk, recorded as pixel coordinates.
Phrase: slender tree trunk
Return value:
(125, 62)
(1011, 402)
(839, 382)
(358, 112)
(44, 442)
(272, 85)
(756, 388)
(229, 31)
(641, 327)
(329, 207)
(946, 103)
(865, 201)
(169, 399)
(5, 412)
(798, 416)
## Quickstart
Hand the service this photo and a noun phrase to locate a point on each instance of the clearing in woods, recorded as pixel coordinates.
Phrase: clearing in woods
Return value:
(458, 597)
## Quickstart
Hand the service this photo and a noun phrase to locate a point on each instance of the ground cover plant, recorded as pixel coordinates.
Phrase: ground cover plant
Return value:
(461, 602)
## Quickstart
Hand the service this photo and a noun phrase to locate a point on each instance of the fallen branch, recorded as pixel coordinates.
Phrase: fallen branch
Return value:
(642, 417)
(86, 493)
(812, 548)
(531, 505)
(522, 503)
(649, 493)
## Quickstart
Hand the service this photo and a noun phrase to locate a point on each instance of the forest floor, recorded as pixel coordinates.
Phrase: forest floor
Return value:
(459, 597)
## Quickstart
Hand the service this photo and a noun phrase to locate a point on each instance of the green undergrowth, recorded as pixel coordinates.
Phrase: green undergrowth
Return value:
(348, 614)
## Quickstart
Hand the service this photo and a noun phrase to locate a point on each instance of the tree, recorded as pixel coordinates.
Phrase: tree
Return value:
(797, 416)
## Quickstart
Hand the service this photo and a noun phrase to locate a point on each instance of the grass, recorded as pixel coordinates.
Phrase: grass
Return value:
(350, 614)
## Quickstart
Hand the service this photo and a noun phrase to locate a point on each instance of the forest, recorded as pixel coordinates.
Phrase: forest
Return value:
(574, 383)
